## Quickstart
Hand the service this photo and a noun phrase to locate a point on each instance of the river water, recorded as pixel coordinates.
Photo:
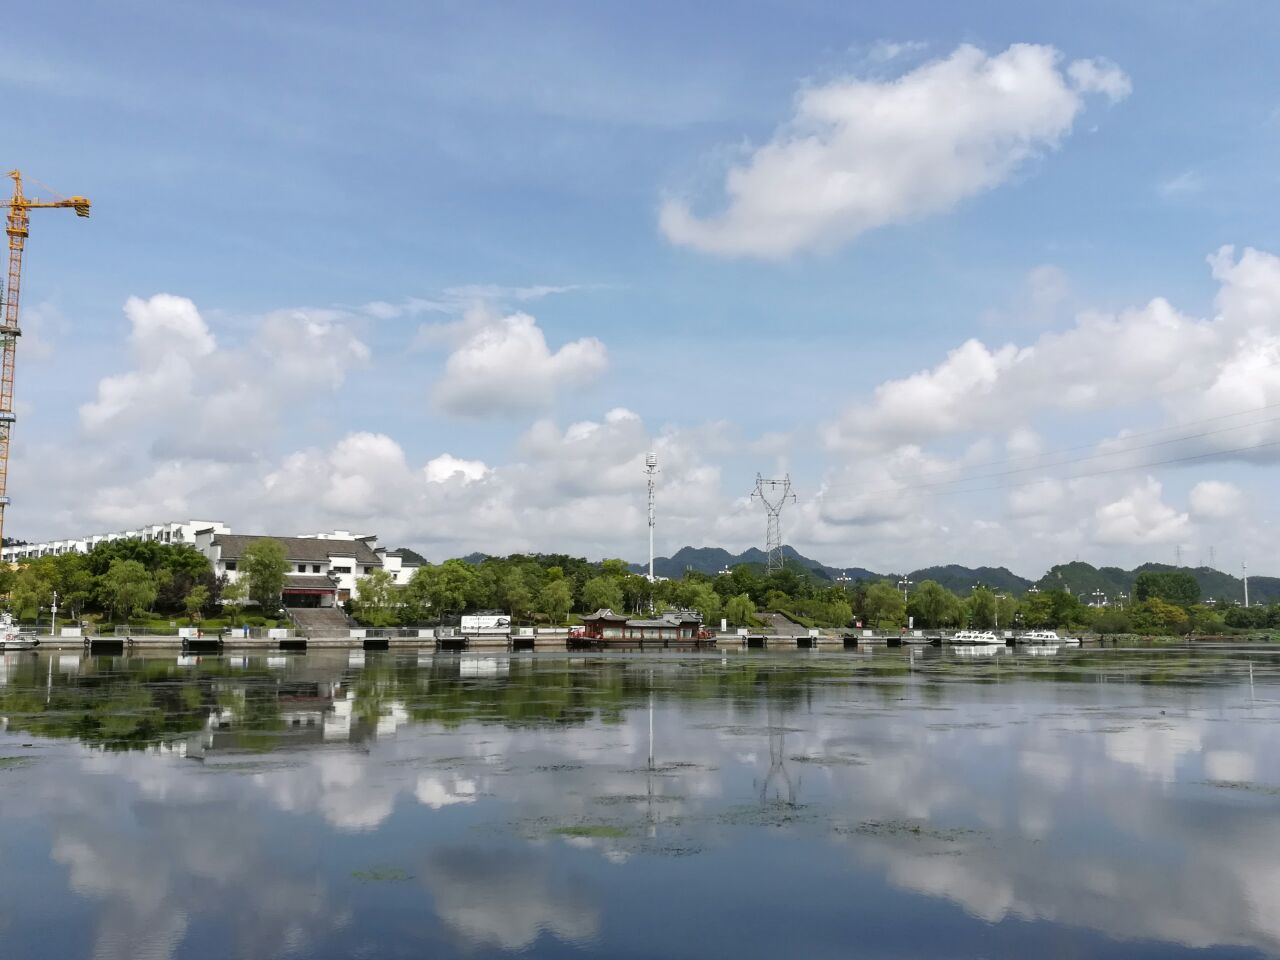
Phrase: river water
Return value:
(894, 803)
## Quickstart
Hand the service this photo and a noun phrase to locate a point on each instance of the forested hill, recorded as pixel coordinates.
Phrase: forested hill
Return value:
(1078, 577)
(1081, 579)
(714, 559)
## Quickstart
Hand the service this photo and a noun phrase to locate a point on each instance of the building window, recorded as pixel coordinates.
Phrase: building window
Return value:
(302, 568)
(230, 564)
(315, 568)
(341, 569)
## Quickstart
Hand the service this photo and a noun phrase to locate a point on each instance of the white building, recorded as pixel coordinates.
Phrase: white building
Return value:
(323, 567)
(180, 531)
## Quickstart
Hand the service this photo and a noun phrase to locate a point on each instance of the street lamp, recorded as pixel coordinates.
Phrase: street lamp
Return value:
(903, 585)
(53, 626)
(1099, 598)
(1244, 571)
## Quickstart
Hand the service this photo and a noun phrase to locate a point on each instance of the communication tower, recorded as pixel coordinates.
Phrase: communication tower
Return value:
(774, 494)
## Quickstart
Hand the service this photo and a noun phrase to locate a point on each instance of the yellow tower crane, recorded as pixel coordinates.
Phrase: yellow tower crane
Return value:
(18, 217)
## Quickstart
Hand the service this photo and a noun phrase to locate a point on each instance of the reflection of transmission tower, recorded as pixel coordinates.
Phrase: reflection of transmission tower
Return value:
(777, 779)
(774, 494)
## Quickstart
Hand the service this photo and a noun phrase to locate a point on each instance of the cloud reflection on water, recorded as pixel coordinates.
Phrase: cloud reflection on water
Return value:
(1127, 810)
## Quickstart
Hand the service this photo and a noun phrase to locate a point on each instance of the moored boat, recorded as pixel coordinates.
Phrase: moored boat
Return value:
(1045, 636)
(976, 638)
(12, 638)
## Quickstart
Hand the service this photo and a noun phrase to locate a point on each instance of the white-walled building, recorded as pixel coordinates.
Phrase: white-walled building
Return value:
(179, 531)
(323, 567)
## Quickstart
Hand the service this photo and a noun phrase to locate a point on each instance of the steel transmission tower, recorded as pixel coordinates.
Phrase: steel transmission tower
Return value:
(774, 494)
(651, 471)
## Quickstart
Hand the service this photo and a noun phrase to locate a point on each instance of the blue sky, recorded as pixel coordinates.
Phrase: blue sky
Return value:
(447, 159)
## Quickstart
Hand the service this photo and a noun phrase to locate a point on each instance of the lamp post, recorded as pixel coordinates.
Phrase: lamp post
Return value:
(1244, 571)
(903, 585)
(53, 609)
(1099, 598)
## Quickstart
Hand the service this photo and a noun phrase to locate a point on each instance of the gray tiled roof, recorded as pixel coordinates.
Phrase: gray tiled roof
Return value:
(299, 582)
(300, 549)
(605, 614)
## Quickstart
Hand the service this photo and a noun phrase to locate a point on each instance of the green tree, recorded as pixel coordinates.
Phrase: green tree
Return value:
(32, 589)
(126, 589)
(443, 591)
(77, 586)
(264, 564)
(636, 591)
(1159, 616)
(197, 600)
(1006, 611)
(883, 607)
(740, 610)
(617, 569)
(376, 601)
(515, 593)
(601, 592)
(931, 604)
(232, 596)
(1037, 609)
(706, 601)
(1171, 586)
(555, 599)
(982, 609)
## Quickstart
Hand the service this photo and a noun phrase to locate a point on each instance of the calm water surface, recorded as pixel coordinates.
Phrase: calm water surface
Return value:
(895, 804)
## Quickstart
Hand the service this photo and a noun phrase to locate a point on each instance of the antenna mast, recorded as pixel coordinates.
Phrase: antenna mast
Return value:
(774, 494)
(651, 471)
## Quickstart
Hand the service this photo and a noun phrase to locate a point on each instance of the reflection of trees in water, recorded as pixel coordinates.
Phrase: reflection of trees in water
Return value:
(126, 703)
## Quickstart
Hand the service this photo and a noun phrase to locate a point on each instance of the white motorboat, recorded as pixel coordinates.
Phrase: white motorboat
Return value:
(1046, 636)
(976, 638)
(12, 638)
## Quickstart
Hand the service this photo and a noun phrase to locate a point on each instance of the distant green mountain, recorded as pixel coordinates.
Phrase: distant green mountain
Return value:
(1080, 578)
(1084, 579)
(961, 580)
(712, 560)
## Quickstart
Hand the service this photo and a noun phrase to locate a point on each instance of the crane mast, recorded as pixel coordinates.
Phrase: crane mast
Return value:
(17, 227)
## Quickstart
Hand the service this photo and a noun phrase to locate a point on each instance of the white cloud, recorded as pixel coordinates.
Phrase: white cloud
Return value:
(882, 51)
(1194, 368)
(1100, 75)
(862, 153)
(1140, 517)
(507, 899)
(1215, 500)
(446, 467)
(504, 367)
(200, 399)
(1181, 185)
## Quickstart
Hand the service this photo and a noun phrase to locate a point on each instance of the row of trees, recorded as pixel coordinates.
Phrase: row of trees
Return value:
(125, 579)
(128, 578)
(548, 588)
